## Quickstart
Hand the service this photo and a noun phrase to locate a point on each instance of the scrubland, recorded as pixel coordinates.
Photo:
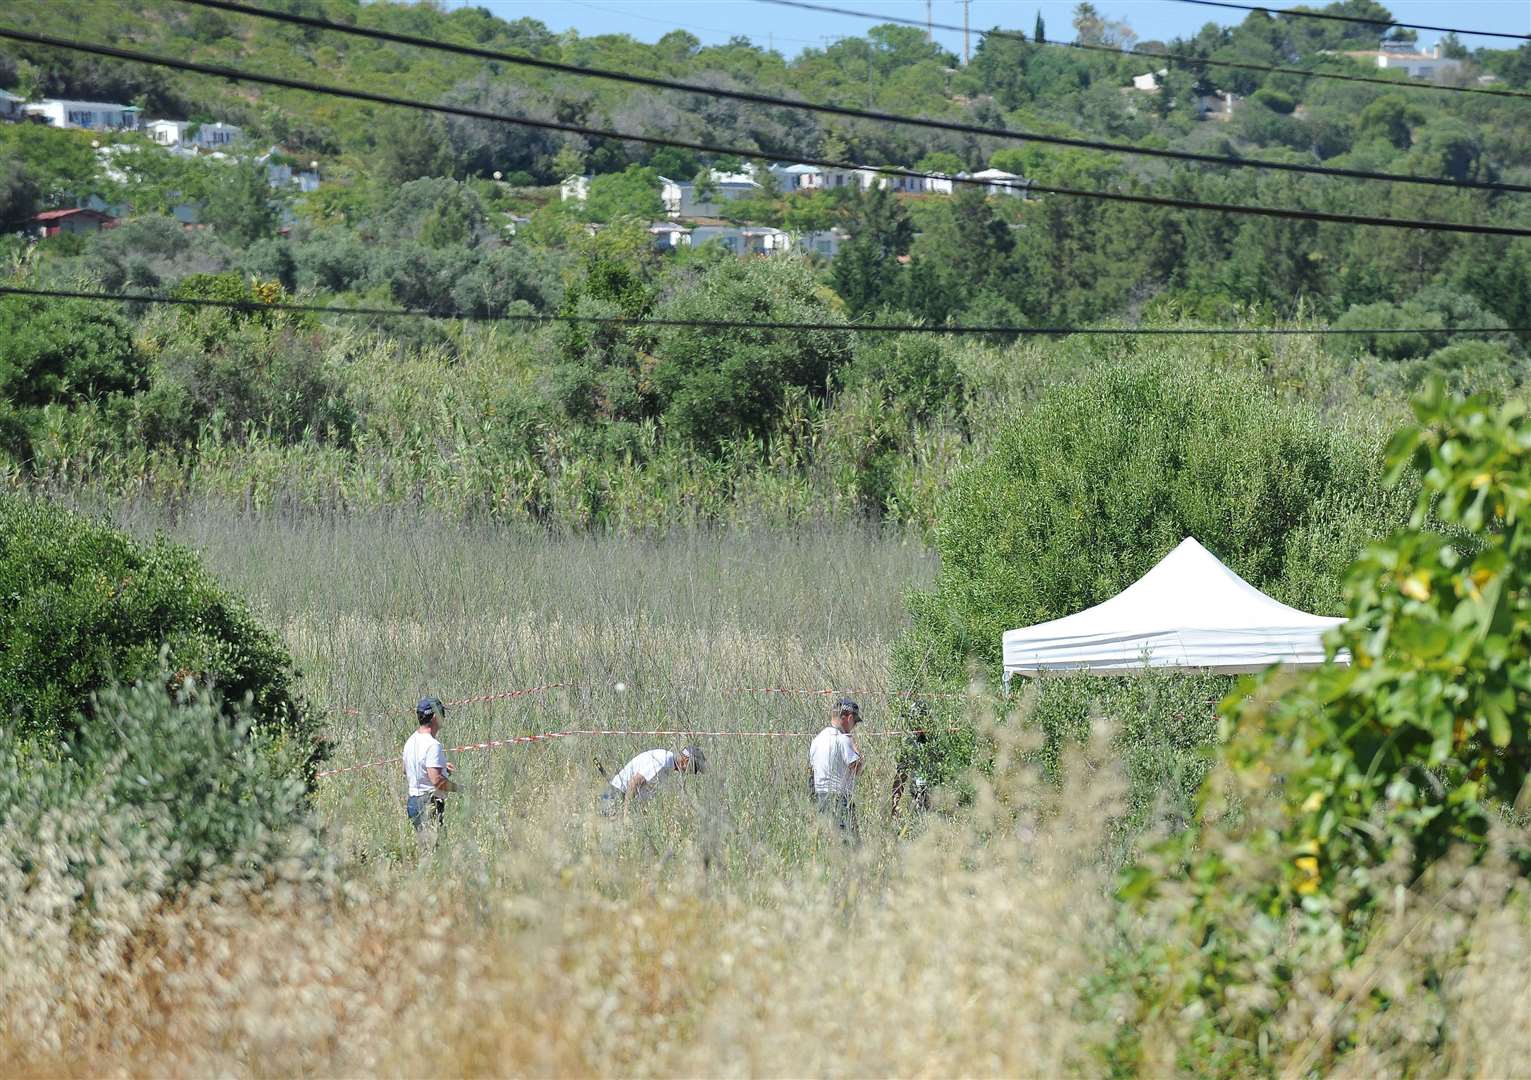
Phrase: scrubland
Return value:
(721, 931)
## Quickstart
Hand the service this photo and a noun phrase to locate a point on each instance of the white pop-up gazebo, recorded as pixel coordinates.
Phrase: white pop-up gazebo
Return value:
(1189, 611)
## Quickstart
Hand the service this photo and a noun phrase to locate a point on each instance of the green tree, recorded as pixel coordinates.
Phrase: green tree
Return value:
(411, 145)
(1391, 118)
(60, 352)
(634, 193)
(88, 606)
(941, 161)
(239, 204)
(568, 162)
(714, 387)
(18, 192)
(866, 272)
(1358, 777)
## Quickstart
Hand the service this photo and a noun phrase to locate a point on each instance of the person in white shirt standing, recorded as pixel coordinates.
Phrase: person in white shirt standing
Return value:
(426, 769)
(639, 779)
(834, 763)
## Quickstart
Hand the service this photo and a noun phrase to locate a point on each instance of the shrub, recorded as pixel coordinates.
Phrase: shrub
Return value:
(59, 352)
(716, 386)
(166, 778)
(915, 374)
(85, 605)
(1274, 100)
(1348, 787)
(257, 378)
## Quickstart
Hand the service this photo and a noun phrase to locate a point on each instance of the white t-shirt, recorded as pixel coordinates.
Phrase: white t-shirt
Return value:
(652, 765)
(421, 752)
(832, 753)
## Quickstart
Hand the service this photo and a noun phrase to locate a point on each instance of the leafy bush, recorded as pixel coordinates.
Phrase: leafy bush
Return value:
(436, 212)
(716, 386)
(1085, 491)
(1350, 786)
(166, 778)
(916, 375)
(1433, 311)
(85, 606)
(59, 352)
(257, 378)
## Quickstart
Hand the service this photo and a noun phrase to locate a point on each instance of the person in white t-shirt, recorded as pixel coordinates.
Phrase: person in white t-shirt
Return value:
(426, 769)
(640, 778)
(834, 763)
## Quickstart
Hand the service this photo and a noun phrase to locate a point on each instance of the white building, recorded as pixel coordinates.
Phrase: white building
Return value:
(825, 243)
(790, 178)
(728, 236)
(1400, 56)
(1216, 106)
(574, 187)
(185, 134)
(1148, 82)
(765, 240)
(87, 115)
(280, 175)
(940, 183)
(1000, 182)
(668, 236)
(682, 199)
(12, 106)
(910, 185)
(813, 177)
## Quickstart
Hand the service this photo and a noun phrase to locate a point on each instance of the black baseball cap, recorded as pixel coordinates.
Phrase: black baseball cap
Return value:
(848, 705)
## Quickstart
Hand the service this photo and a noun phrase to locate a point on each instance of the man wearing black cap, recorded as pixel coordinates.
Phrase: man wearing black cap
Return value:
(426, 768)
(834, 762)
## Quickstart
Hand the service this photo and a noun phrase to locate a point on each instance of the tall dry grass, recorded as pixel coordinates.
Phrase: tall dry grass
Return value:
(722, 931)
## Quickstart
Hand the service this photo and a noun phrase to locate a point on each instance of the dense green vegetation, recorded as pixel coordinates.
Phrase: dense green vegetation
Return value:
(410, 213)
(87, 607)
(1082, 493)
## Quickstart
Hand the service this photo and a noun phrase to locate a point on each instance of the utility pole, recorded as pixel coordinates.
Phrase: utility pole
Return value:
(929, 24)
(967, 52)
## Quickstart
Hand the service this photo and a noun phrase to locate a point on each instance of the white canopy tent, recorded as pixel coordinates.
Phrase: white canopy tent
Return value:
(1189, 611)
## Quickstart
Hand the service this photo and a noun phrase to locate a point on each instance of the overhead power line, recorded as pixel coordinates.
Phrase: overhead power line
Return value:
(256, 306)
(1158, 57)
(498, 56)
(225, 72)
(1298, 13)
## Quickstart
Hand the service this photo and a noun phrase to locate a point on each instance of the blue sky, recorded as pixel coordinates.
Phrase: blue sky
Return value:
(790, 31)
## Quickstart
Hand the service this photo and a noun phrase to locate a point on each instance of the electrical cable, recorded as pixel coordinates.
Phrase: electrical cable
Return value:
(497, 56)
(1298, 13)
(222, 71)
(1178, 58)
(256, 306)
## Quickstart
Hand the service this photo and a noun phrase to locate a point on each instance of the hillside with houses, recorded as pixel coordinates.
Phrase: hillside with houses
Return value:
(123, 177)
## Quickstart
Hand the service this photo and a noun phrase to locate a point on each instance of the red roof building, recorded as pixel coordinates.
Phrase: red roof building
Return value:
(74, 220)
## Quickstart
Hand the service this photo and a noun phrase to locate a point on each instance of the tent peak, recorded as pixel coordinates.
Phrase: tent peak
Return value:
(1189, 610)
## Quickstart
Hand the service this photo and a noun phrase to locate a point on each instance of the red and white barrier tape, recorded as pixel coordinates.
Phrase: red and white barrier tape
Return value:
(506, 695)
(517, 740)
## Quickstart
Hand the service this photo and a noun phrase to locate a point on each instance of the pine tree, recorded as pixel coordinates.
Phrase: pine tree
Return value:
(1039, 32)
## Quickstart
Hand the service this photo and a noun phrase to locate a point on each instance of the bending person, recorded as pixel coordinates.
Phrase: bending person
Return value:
(639, 779)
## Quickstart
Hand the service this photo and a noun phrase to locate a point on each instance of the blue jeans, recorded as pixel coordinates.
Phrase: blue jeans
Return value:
(842, 812)
(416, 805)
